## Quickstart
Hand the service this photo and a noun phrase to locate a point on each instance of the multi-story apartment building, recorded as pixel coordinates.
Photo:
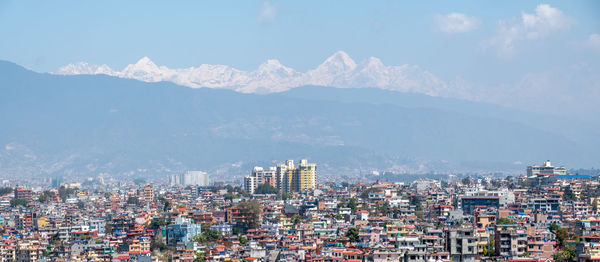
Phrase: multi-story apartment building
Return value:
(462, 244)
(285, 177)
(470, 203)
(510, 240)
(190, 178)
(260, 176)
(182, 231)
(23, 193)
(148, 193)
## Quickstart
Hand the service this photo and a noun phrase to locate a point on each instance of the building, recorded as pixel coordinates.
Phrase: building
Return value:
(545, 170)
(510, 240)
(470, 203)
(148, 193)
(23, 193)
(285, 177)
(260, 176)
(462, 244)
(298, 179)
(190, 178)
(545, 204)
(183, 231)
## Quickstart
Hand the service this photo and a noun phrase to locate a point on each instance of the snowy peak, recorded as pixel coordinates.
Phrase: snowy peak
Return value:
(146, 70)
(144, 64)
(338, 70)
(373, 62)
(83, 68)
(274, 66)
(340, 62)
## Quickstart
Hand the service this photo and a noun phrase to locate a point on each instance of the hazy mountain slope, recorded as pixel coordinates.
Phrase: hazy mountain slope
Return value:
(89, 124)
(584, 130)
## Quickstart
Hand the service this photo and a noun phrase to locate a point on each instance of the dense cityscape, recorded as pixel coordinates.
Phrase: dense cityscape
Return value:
(313, 131)
(283, 213)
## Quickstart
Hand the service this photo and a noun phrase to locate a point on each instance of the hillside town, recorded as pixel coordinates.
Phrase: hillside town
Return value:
(283, 213)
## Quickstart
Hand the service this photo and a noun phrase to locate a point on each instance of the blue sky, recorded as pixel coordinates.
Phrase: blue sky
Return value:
(44, 35)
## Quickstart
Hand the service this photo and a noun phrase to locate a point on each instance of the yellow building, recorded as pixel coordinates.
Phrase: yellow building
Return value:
(296, 179)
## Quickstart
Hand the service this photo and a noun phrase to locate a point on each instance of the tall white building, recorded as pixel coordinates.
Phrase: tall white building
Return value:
(190, 178)
(545, 170)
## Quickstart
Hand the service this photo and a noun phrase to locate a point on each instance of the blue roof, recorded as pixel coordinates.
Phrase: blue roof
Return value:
(574, 176)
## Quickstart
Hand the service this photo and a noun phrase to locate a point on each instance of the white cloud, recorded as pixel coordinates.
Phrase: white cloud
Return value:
(268, 13)
(456, 23)
(538, 25)
(594, 42)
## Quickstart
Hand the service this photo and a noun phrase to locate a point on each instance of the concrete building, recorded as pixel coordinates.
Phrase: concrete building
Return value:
(148, 193)
(182, 231)
(286, 177)
(510, 240)
(23, 193)
(546, 204)
(260, 176)
(462, 244)
(470, 203)
(298, 179)
(190, 178)
(545, 170)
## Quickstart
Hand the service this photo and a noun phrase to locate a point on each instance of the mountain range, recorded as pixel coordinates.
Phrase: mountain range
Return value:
(339, 70)
(85, 125)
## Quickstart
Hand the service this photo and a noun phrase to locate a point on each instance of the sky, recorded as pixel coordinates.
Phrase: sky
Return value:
(489, 44)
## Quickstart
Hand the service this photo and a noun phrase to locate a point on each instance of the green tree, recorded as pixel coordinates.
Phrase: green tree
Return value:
(466, 181)
(18, 202)
(384, 209)
(283, 195)
(5, 190)
(562, 235)
(199, 257)
(352, 203)
(167, 206)
(242, 192)
(492, 245)
(229, 196)
(157, 223)
(133, 201)
(296, 219)
(352, 234)
(45, 195)
(243, 240)
(568, 194)
(504, 221)
(366, 192)
(567, 254)
(554, 227)
(209, 235)
(251, 211)
(65, 192)
(265, 189)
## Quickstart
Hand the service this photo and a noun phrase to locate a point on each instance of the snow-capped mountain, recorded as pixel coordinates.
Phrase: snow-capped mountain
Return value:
(83, 68)
(339, 70)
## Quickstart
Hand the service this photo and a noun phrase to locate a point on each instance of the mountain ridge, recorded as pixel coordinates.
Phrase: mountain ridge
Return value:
(338, 70)
(90, 124)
